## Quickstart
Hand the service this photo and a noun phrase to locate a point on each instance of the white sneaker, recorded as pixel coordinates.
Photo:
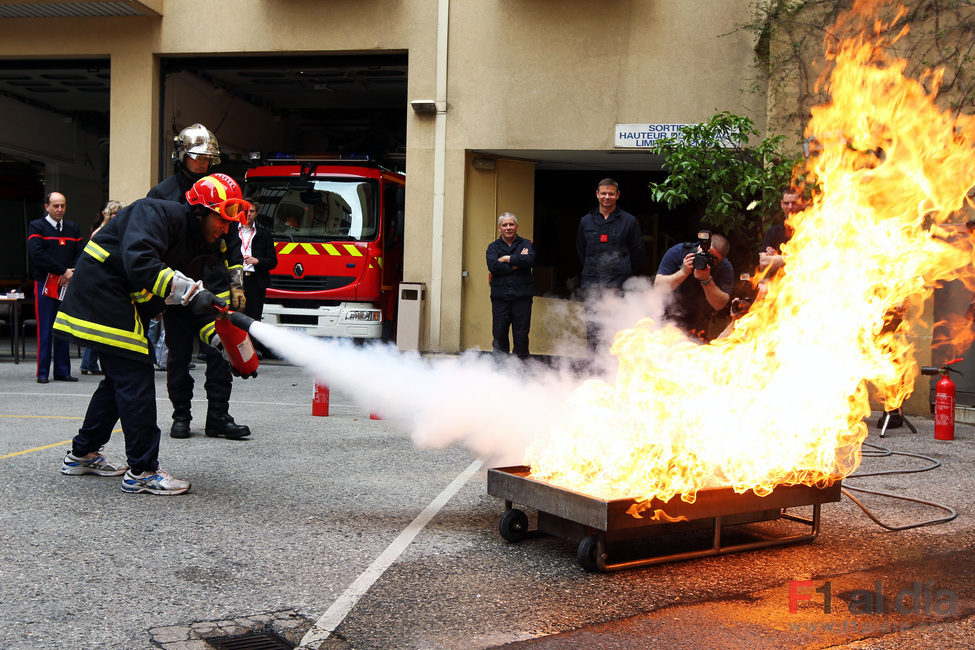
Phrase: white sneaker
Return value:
(158, 482)
(93, 463)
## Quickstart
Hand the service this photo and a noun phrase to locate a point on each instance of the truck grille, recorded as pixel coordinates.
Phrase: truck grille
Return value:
(310, 282)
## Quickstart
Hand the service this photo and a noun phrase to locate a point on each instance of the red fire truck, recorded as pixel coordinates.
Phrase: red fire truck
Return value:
(338, 233)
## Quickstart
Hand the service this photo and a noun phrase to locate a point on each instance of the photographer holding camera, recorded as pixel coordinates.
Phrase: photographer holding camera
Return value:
(701, 277)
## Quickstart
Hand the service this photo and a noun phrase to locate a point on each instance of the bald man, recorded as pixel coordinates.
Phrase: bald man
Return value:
(54, 246)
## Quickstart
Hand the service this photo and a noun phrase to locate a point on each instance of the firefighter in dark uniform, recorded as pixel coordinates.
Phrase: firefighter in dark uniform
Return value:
(127, 273)
(196, 151)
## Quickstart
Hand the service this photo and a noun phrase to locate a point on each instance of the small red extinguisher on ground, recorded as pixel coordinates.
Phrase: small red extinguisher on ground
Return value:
(237, 345)
(944, 404)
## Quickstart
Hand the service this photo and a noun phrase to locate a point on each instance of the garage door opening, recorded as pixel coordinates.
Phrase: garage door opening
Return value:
(53, 137)
(352, 104)
(562, 197)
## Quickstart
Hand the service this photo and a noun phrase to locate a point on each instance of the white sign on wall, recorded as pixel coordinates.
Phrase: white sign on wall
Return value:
(637, 136)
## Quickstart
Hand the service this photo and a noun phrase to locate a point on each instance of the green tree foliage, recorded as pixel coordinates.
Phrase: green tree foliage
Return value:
(716, 164)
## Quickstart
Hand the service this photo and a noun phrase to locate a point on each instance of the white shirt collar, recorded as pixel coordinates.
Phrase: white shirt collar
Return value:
(51, 220)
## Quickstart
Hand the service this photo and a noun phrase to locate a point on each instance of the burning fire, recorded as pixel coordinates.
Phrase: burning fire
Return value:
(782, 400)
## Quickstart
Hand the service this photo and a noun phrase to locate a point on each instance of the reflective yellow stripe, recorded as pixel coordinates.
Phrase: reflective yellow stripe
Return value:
(141, 297)
(379, 261)
(331, 249)
(235, 266)
(112, 336)
(207, 332)
(96, 251)
(224, 294)
(138, 323)
(161, 287)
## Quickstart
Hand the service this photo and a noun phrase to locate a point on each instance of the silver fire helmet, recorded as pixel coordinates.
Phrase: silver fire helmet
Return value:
(199, 142)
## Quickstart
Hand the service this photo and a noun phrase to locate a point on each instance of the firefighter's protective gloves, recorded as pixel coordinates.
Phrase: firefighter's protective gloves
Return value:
(204, 303)
(237, 299)
(190, 293)
(183, 289)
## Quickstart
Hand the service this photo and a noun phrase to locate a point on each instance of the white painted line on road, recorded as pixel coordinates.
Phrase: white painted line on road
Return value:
(335, 614)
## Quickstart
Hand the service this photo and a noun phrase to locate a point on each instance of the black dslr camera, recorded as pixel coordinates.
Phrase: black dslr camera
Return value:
(703, 257)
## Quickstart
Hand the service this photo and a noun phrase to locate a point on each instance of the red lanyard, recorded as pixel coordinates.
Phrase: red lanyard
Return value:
(245, 245)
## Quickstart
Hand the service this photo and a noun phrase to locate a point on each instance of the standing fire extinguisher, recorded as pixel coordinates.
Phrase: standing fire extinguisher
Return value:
(944, 403)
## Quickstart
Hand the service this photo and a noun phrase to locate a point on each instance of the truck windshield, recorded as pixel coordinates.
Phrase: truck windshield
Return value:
(326, 210)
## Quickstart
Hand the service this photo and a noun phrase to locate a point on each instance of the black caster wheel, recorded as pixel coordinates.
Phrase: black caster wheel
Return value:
(513, 525)
(586, 555)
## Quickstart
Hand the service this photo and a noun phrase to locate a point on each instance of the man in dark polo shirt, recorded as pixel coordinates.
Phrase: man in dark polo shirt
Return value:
(610, 247)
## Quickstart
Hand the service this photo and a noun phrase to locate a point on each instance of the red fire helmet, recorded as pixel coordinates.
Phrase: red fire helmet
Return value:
(221, 194)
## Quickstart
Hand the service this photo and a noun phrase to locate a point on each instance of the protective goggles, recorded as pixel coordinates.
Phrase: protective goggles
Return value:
(232, 209)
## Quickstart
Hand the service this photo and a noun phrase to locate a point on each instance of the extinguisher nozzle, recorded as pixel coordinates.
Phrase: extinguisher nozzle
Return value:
(242, 321)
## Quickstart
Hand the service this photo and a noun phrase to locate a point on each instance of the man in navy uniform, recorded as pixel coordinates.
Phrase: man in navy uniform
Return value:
(509, 260)
(54, 245)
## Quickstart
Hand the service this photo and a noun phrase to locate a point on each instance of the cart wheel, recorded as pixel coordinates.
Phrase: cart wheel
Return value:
(513, 525)
(586, 555)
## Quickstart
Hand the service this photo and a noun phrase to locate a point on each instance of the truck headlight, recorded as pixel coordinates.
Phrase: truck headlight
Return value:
(370, 315)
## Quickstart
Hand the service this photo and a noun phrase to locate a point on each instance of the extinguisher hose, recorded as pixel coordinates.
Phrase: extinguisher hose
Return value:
(878, 451)
(846, 490)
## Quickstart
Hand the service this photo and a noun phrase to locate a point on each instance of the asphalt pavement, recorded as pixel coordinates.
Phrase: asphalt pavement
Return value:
(338, 531)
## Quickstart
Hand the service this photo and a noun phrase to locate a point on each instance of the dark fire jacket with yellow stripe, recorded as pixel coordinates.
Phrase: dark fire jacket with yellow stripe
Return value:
(126, 271)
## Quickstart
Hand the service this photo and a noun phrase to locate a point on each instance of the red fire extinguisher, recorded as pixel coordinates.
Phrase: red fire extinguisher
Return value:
(944, 403)
(238, 345)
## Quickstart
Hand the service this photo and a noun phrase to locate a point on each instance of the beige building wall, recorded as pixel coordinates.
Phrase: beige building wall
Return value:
(545, 75)
(559, 74)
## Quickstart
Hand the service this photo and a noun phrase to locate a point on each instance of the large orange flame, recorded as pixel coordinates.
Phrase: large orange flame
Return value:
(782, 400)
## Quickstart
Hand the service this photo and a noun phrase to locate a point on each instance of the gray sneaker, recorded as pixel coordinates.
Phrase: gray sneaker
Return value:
(93, 463)
(158, 482)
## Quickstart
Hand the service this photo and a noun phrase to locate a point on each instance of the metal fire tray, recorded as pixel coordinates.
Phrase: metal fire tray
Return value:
(597, 524)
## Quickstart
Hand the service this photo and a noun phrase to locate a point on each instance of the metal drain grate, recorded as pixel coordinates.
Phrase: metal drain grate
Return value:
(259, 641)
